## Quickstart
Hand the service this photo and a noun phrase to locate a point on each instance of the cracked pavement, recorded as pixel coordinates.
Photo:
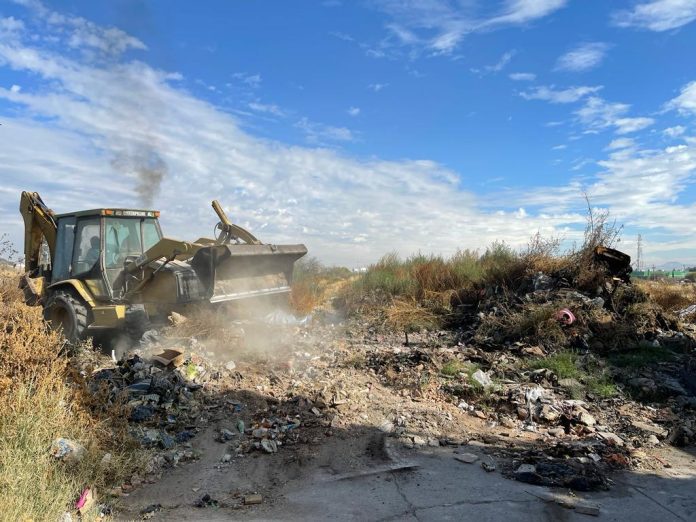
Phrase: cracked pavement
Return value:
(442, 488)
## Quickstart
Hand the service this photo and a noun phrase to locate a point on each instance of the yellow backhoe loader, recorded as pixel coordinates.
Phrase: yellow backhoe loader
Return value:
(110, 270)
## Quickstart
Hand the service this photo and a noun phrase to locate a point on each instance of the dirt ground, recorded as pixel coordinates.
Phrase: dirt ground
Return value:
(337, 402)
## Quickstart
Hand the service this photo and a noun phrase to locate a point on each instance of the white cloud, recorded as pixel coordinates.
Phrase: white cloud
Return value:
(96, 128)
(550, 94)
(319, 133)
(268, 108)
(498, 66)
(621, 143)
(628, 125)
(377, 86)
(523, 11)
(438, 26)
(113, 123)
(686, 101)
(598, 114)
(79, 33)
(15, 88)
(353, 111)
(657, 15)
(252, 80)
(522, 77)
(559, 147)
(583, 57)
(674, 132)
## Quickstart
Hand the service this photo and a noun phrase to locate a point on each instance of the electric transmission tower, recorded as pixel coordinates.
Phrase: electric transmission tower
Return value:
(639, 254)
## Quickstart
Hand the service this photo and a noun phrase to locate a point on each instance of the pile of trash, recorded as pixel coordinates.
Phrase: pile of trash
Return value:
(160, 394)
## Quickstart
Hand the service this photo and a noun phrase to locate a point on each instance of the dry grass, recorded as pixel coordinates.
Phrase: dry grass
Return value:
(408, 316)
(313, 284)
(671, 296)
(38, 403)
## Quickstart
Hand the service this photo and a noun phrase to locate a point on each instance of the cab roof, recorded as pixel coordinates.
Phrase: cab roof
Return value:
(113, 212)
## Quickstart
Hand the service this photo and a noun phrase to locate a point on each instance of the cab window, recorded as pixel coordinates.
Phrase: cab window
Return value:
(87, 246)
(64, 248)
(122, 239)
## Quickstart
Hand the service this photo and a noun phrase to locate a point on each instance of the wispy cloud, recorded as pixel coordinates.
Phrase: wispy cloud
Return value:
(353, 111)
(598, 114)
(347, 209)
(497, 66)
(252, 80)
(657, 15)
(438, 26)
(268, 108)
(685, 103)
(674, 132)
(553, 95)
(320, 134)
(522, 77)
(377, 86)
(621, 143)
(583, 57)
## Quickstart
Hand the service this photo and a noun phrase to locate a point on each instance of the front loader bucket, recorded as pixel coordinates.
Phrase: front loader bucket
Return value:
(241, 271)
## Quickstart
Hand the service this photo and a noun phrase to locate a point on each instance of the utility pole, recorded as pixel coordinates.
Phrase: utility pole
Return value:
(639, 254)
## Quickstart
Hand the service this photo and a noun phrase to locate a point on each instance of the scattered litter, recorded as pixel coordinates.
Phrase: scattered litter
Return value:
(253, 499)
(566, 501)
(176, 319)
(565, 316)
(280, 317)
(67, 450)
(170, 356)
(149, 511)
(206, 501)
(86, 501)
(488, 466)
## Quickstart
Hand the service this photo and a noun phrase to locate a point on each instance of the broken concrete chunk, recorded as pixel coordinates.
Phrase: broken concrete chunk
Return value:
(386, 427)
(611, 438)
(525, 468)
(650, 428)
(587, 508)
(482, 378)
(586, 419)
(467, 458)
(253, 499)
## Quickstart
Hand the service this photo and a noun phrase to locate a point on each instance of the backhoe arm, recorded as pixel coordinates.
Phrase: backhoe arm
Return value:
(38, 224)
(230, 230)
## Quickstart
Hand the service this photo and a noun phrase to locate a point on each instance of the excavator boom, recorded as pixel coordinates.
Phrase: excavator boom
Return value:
(38, 225)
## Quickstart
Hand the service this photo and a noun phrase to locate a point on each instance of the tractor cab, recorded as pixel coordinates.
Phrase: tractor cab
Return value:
(93, 245)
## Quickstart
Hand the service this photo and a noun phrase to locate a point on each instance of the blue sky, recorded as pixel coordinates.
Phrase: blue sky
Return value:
(358, 127)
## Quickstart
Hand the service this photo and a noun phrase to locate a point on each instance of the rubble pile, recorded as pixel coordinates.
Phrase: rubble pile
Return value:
(596, 373)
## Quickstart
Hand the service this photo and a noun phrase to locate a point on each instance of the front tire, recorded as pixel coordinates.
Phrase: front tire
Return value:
(67, 312)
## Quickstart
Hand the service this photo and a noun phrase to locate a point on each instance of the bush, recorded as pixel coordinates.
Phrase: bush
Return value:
(41, 400)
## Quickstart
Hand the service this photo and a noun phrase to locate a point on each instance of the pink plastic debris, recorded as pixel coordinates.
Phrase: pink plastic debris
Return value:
(565, 316)
(83, 499)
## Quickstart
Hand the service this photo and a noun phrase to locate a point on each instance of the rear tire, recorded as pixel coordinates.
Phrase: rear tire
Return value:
(67, 312)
